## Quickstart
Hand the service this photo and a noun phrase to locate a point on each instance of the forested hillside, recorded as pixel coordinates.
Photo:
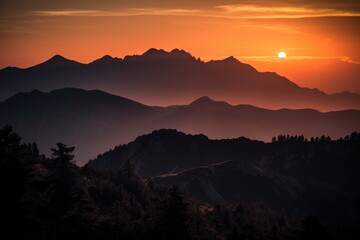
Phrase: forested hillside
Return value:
(52, 198)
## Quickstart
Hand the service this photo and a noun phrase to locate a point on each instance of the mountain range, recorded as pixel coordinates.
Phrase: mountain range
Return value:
(165, 78)
(94, 121)
(300, 177)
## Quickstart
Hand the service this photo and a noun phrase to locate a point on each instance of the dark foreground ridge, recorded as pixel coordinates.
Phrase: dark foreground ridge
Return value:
(297, 175)
(52, 198)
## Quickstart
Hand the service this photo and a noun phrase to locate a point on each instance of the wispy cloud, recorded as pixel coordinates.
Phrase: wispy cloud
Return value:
(279, 28)
(119, 13)
(15, 29)
(265, 12)
(350, 60)
(233, 11)
(77, 13)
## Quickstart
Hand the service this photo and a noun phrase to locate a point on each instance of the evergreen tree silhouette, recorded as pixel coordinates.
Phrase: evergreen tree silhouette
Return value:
(64, 179)
(173, 221)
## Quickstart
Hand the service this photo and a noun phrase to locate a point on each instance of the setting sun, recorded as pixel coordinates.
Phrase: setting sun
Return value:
(281, 55)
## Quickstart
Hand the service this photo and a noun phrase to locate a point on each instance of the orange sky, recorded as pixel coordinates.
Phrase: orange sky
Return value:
(321, 38)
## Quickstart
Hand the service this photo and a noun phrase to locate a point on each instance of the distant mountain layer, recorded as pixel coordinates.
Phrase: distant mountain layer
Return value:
(95, 121)
(158, 77)
(301, 177)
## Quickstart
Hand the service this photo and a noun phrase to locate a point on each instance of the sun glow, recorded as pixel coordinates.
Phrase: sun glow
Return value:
(281, 55)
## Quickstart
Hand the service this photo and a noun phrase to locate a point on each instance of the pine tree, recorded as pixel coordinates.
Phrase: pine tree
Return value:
(22, 185)
(64, 179)
(174, 218)
(82, 213)
(12, 178)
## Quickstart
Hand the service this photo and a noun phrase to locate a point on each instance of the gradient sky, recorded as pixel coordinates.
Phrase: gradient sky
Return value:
(321, 38)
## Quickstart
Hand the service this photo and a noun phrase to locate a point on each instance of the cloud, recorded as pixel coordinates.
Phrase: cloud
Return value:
(77, 13)
(350, 60)
(353, 5)
(269, 12)
(233, 11)
(16, 30)
(119, 13)
(17, 6)
(278, 28)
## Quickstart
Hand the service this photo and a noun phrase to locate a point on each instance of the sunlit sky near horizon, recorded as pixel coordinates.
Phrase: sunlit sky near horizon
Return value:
(321, 38)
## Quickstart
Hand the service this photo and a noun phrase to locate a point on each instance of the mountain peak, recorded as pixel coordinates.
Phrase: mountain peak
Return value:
(206, 102)
(59, 60)
(231, 59)
(105, 59)
(174, 54)
(154, 52)
(204, 99)
(180, 53)
(232, 62)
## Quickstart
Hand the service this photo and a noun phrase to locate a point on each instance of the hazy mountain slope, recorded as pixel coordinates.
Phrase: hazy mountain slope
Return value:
(95, 121)
(158, 77)
(221, 120)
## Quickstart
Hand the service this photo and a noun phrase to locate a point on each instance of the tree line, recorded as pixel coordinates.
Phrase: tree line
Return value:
(353, 137)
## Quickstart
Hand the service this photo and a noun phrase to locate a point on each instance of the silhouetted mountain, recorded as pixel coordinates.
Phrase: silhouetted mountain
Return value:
(205, 103)
(302, 177)
(161, 55)
(106, 60)
(167, 151)
(158, 77)
(58, 61)
(95, 121)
